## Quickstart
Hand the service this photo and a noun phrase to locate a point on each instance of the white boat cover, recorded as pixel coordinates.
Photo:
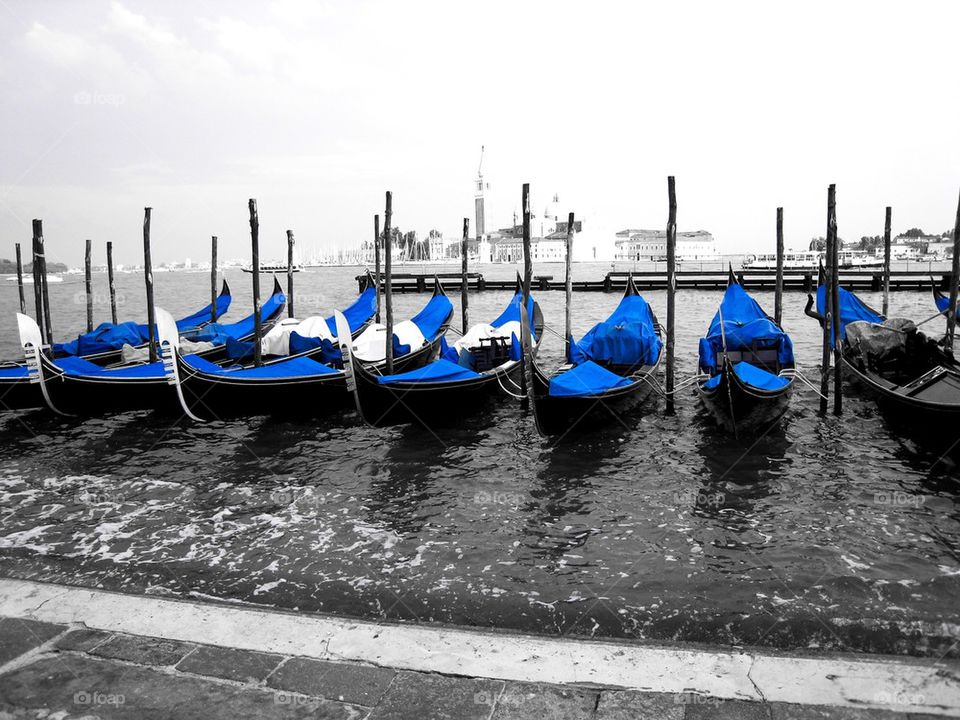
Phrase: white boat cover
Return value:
(131, 354)
(482, 332)
(277, 341)
(371, 345)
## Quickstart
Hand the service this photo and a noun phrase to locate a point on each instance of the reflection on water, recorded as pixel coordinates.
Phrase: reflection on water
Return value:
(817, 532)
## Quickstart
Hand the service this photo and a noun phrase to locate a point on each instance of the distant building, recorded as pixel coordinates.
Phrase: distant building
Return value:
(635, 245)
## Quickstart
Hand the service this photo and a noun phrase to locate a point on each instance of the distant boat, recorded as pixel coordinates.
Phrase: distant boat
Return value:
(28, 279)
(791, 261)
(272, 267)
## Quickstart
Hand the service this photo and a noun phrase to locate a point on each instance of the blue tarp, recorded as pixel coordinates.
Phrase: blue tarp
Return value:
(79, 367)
(433, 315)
(292, 368)
(752, 376)
(438, 371)
(512, 313)
(217, 333)
(103, 338)
(943, 303)
(625, 338)
(107, 336)
(586, 379)
(14, 371)
(191, 322)
(852, 309)
(362, 309)
(746, 327)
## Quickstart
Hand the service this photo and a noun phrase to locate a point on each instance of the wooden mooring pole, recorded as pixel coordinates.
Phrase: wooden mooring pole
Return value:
(527, 276)
(376, 262)
(835, 304)
(778, 294)
(213, 278)
(827, 317)
(23, 302)
(46, 286)
(37, 284)
(954, 282)
(568, 289)
(388, 273)
(290, 273)
(255, 268)
(886, 261)
(148, 278)
(88, 283)
(671, 287)
(464, 261)
(111, 287)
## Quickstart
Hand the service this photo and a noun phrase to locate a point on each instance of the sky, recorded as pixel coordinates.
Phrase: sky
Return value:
(316, 109)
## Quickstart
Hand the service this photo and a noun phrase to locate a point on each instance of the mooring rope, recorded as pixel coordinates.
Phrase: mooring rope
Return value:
(808, 383)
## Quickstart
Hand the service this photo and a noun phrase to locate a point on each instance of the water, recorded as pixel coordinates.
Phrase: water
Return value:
(823, 533)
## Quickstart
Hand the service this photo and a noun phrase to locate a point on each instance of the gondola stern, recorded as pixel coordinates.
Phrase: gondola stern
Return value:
(225, 289)
(31, 340)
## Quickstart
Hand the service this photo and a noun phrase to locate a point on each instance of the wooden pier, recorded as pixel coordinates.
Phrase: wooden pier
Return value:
(793, 280)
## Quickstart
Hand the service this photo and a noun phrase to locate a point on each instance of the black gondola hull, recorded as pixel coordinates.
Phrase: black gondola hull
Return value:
(738, 406)
(436, 404)
(212, 397)
(562, 415)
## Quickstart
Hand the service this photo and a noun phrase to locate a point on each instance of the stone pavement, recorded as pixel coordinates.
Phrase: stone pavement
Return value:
(69, 653)
(63, 672)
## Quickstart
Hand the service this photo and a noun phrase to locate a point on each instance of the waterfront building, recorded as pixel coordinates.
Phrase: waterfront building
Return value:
(635, 245)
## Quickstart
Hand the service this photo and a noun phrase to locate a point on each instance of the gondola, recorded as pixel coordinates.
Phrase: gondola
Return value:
(942, 301)
(75, 386)
(609, 370)
(907, 372)
(304, 384)
(483, 363)
(103, 346)
(746, 362)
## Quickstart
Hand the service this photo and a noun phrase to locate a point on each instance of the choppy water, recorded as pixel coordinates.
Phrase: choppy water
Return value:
(825, 532)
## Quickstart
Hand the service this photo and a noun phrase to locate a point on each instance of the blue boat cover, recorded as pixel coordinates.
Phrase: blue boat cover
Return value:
(103, 338)
(438, 371)
(300, 344)
(852, 309)
(447, 352)
(943, 303)
(292, 368)
(746, 326)
(512, 313)
(217, 333)
(191, 322)
(78, 367)
(752, 376)
(585, 380)
(107, 336)
(432, 317)
(362, 309)
(14, 371)
(627, 337)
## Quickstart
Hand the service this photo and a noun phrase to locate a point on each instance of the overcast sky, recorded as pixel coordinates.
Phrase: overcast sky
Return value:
(317, 109)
